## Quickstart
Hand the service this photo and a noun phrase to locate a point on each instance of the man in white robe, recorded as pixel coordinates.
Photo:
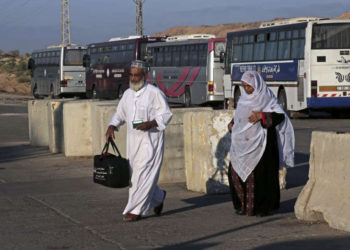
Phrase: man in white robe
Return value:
(145, 111)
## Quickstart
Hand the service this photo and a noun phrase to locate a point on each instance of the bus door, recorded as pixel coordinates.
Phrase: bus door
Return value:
(218, 69)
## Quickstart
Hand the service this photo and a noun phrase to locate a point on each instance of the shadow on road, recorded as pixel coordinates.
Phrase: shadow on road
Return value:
(194, 244)
(325, 243)
(21, 152)
(201, 201)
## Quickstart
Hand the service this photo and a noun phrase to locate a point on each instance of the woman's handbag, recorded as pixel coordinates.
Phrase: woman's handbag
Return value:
(111, 170)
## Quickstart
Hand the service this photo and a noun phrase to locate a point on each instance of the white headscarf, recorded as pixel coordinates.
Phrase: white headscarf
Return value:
(248, 139)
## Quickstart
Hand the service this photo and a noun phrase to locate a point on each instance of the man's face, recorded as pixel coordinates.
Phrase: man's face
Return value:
(136, 75)
(137, 78)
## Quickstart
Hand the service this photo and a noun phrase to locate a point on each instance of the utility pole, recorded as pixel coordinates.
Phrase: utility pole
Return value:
(65, 23)
(139, 17)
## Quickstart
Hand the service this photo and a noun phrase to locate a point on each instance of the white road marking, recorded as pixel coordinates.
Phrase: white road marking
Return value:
(14, 114)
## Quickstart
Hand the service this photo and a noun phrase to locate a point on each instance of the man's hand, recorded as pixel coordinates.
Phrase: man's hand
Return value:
(255, 117)
(110, 133)
(147, 125)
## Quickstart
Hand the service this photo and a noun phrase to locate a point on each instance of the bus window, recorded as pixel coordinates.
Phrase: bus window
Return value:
(237, 53)
(295, 34)
(160, 57)
(218, 48)
(167, 56)
(203, 51)
(142, 51)
(184, 56)
(194, 55)
(271, 51)
(73, 57)
(331, 36)
(298, 48)
(271, 36)
(284, 49)
(176, 56)
(259, 49)
(288, 34)
(247, 52)
(106, 59)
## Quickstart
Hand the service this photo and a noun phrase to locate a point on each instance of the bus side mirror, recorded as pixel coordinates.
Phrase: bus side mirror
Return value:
(86, 60)
(222, 57)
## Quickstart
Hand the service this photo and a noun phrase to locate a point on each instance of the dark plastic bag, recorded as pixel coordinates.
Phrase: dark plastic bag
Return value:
(111, 170)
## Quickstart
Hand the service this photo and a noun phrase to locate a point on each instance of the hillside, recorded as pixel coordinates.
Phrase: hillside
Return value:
(222, 29)
(14, 76)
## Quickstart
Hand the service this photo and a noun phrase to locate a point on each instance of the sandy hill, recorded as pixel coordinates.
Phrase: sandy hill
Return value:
(222, 29)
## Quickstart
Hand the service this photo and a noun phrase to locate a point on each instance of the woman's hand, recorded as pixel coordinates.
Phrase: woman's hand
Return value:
(255, 117)
(230, 125)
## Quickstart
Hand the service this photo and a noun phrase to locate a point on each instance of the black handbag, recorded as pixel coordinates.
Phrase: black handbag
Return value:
(111, 170)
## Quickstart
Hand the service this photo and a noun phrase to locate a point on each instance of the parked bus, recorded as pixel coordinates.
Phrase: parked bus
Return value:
(108, 65)
(57, 71)
(188, 68)
(304, 61)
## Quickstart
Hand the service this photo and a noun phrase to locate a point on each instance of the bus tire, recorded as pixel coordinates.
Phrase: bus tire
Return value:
(187, 96)
(35, 92)
(282, 99)
(236, 96)
(51, 93)
(120, 92)
(93, 93)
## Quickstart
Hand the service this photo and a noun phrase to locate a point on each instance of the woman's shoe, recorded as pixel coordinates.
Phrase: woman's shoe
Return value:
(240, 212)
(158, 209)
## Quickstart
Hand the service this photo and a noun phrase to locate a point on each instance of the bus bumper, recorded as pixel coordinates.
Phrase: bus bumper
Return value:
(68, 90)
(215, 98)
(328, 102)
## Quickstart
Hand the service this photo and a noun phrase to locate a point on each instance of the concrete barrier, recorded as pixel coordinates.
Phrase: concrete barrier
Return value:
(55, 124)
(77, 128)
(207, 146)
(38, 122)
(326, 197)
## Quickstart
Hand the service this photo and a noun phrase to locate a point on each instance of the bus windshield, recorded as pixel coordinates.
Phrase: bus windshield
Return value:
(331, 36)
(218, 48)
(74, 57)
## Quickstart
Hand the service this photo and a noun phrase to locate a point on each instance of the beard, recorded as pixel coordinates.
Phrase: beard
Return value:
(136, 86)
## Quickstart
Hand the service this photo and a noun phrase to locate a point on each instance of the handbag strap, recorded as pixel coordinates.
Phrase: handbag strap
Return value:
(115, 148)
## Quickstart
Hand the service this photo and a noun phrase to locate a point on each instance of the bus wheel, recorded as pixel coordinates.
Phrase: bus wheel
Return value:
(51, 93)
(187, 97)
(35, 92)
(236, 96)
(93, 93)
(120, 92)
(282, 99)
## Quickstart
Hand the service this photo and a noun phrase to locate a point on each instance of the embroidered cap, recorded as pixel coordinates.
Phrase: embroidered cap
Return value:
(139, 64)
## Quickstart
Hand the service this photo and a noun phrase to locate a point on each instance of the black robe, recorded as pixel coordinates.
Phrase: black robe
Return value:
(264, 178)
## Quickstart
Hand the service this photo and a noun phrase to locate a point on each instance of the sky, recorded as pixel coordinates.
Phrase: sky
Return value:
(26, 25)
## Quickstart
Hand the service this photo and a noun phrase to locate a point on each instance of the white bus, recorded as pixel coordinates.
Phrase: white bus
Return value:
(57, 71)
(306, 63)
(188, 69)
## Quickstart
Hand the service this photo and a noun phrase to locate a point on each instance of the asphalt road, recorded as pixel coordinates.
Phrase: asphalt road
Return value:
(50, 202)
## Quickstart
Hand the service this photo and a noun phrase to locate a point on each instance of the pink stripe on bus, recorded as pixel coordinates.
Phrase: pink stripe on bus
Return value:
(189, 83)
(182, 78)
